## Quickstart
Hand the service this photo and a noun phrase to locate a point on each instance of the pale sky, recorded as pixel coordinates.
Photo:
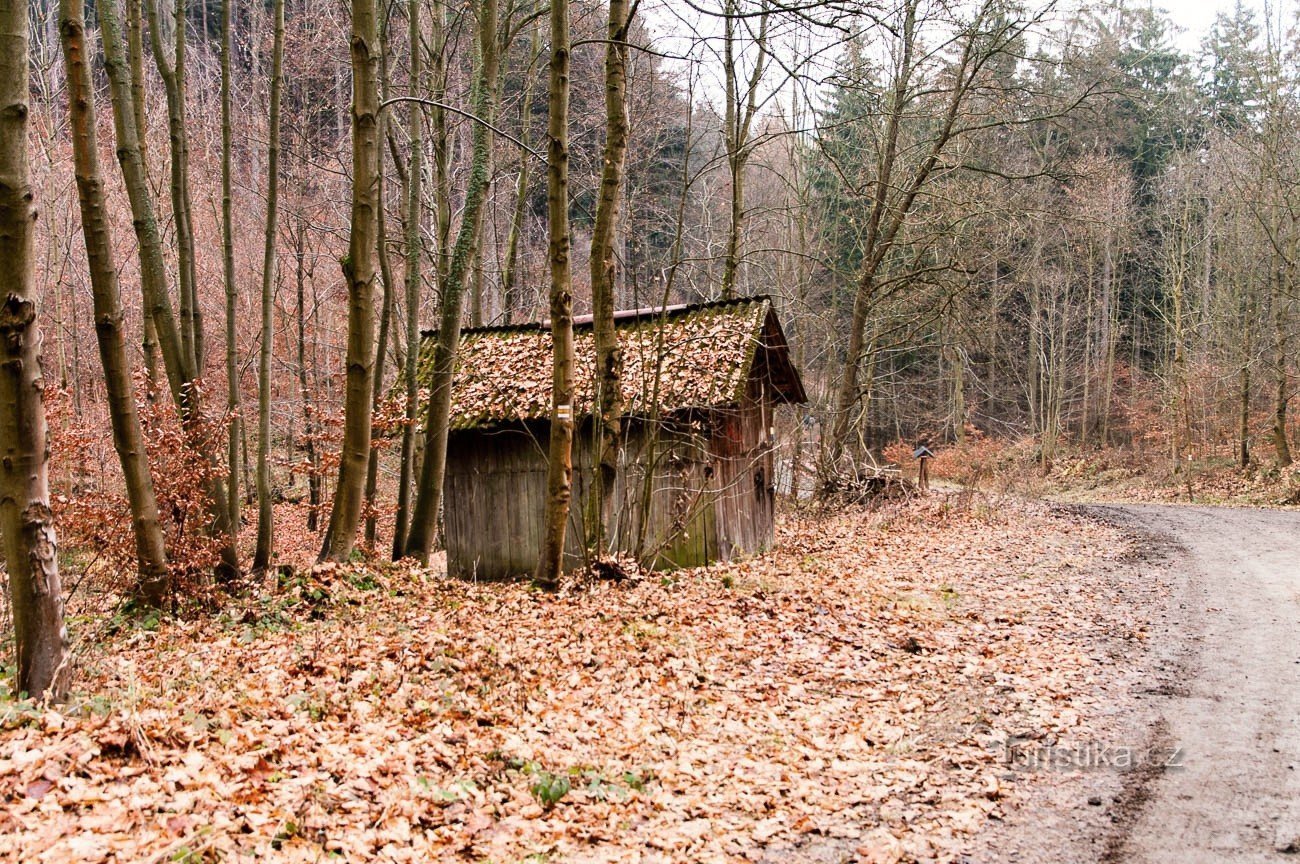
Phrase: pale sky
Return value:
(1196, 16)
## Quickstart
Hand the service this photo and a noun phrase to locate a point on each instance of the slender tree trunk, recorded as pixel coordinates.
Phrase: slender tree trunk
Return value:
(135, 55)
(476, 272)
(304, 384)
(172, 72)
(428, 501)
(153, 273)
(414, 258)
(26, 523)
(386, 305)
(1243, 418)
(381, 346)
(1109, 338)
(1281, 338)
(228, 264)
(153, 270)
(265, 515)
(741, 109)
(550, 562)
(895, 193)
(510, 299)
(607, 421)
(439, 47)
(359, 271)
(151, 554)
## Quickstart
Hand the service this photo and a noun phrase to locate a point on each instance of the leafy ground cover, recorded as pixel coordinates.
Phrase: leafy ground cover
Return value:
(848, 697)
(1113, 474)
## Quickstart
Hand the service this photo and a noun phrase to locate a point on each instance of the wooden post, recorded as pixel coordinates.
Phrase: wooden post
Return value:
(924, 454)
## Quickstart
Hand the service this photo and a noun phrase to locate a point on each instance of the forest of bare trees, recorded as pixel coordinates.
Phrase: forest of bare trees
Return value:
(231, 222)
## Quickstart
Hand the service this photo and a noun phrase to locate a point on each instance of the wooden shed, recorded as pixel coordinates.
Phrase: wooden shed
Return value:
(696, 484)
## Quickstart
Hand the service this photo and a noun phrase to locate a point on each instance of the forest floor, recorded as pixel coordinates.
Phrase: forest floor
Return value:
(882, 687)
(1113, 475)
(1122, 478)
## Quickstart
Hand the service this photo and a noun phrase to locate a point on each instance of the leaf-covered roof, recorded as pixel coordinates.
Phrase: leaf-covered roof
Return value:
(685, 357)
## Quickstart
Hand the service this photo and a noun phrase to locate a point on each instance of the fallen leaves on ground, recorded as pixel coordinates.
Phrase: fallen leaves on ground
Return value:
(848, 696)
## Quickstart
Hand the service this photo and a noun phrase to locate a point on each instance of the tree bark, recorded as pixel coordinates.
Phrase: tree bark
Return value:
(1281, 377)
(135, 55)
(228, 265)
(607, 420)
(359, 272)
(428, 501)
(510, 299)
(386, 305)
(1243, 394)
(304, 382)
(550, 562)
(181, 372)
(414, 213)
(128, 441)
(265, 516)
(26, 523)
(739, 124)
(172, 72)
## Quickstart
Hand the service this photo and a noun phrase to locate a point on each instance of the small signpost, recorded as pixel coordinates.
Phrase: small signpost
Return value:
(924, 454)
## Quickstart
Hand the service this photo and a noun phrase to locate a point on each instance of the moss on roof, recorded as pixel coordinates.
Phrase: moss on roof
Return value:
(503, 374)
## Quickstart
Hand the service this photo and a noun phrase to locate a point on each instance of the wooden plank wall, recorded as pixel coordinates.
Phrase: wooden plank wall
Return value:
(746, 497)
(711, 493)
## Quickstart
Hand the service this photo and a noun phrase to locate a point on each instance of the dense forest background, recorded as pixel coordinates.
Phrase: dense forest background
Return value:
(984, 218)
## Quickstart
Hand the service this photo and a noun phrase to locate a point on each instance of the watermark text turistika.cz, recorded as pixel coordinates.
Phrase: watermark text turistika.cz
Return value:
(1092, 756)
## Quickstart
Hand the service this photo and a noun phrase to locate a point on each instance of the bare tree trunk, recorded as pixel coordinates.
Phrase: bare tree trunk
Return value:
(741, 109)
(359, 271)
(26, 523)
(439, 47)
(428, 501)
(153, 272)
(172, 72)
(265, 516)
(386, 305)
(151, 553)
(414, 259)
(1243, 418)
(550, 561)
(135, 55)
(1110, 338)
(510, 272)
(304, 384)
(228, 264)
(1281, 337)
(896, 189)
(607, 420)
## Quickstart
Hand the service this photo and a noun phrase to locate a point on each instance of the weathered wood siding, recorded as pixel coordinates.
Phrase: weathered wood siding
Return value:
(495, 489)
(708, 481)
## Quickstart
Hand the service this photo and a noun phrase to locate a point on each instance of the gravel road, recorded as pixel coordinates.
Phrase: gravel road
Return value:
(1235, 718)
(1217, 701)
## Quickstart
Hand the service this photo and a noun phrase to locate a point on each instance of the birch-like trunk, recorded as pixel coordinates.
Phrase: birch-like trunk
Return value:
(414, 259)
(180, 368)
(228, 268)
(265, 516)
(128, 441)
(359, 273)
(559, 474)
(428, 501)
(608, 409)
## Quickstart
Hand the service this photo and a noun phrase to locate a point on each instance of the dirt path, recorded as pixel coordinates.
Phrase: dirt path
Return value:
(1217, 702)
(1235, 716)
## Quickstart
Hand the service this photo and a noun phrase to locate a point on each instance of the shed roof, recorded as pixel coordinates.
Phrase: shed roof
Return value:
(709, 353)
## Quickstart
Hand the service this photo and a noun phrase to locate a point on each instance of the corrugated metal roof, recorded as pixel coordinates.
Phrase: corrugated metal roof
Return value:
(674, 359)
